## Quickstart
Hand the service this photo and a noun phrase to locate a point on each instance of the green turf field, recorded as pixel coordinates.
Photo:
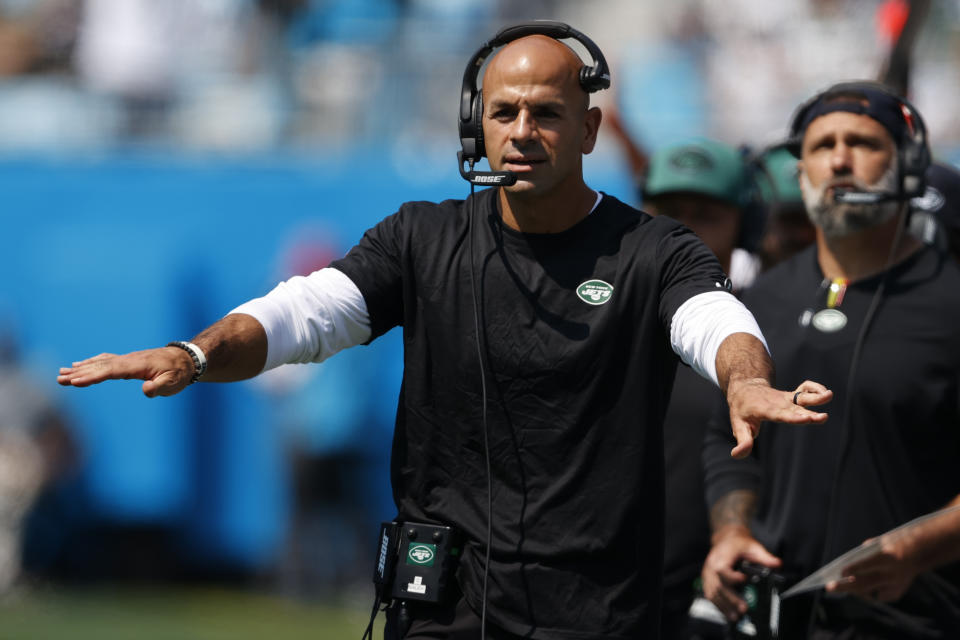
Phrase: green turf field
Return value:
(172, 614)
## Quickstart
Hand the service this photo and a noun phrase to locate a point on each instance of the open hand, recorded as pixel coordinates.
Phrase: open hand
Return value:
(165, 371)
(754, 401)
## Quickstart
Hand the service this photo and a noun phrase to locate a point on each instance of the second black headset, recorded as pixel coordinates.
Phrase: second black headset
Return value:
(592, 78)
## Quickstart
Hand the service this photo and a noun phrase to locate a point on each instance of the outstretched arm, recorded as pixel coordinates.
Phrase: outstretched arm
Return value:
(715, 334)
(304, 319)
(235, 347)
(745, 375)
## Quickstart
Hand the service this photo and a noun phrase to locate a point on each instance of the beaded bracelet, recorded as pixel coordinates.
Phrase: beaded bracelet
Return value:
(199, 359)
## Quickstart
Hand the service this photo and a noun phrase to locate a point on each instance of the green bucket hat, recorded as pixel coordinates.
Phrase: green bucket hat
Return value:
(701, 166)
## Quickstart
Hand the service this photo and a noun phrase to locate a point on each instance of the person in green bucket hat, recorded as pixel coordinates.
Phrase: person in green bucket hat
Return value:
(704, 184)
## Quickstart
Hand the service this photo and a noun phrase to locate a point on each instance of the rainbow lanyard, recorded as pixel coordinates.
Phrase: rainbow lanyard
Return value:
(838, 287)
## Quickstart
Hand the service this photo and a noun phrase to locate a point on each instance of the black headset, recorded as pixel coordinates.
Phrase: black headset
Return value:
(592, 78)
(913, 149)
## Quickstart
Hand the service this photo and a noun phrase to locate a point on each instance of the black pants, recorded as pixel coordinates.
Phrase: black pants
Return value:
(456, 621)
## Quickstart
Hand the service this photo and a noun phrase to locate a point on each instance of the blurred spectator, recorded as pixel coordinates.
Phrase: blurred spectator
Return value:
(35, 449)
(637, 160)
(37, 36)
(168, 63)
(702, 183)
(41, 106)
(663, 88)
(788, 230)
(763, 41)
(338, 442)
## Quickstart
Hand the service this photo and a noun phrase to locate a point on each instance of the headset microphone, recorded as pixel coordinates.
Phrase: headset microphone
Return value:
(847, 196)
(485, 178)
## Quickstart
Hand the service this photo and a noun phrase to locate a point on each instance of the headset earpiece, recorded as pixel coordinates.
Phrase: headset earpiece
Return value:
(481, 149)
(591, 79)
(914, 153)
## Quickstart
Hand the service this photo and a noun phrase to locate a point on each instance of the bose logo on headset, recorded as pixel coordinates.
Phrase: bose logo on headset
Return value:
(592, 78)
(485, 179)
(897, 116)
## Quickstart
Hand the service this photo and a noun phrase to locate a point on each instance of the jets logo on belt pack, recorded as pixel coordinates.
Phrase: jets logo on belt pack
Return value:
(421, 554)
(595, 292)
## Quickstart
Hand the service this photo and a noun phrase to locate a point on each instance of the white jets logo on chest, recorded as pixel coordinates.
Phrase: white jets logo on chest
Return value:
(595, 292)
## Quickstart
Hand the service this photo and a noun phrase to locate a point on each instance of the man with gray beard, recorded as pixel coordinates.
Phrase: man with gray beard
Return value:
(838, 219)
(871, 312)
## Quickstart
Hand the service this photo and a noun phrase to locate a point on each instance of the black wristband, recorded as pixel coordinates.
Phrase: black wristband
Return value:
(196, 354)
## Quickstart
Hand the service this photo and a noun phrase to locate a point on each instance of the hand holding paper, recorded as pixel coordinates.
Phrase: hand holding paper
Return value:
(883, 568)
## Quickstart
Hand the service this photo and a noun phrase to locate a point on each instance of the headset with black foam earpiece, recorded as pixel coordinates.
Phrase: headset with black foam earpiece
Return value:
(592, 78)
(914, 153)
(913, 150)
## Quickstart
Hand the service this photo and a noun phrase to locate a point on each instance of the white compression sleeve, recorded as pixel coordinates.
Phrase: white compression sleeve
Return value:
(703, 322)
(310, 318)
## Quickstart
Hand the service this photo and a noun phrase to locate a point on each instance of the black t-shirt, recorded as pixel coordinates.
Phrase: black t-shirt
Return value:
(900, 445)
(578, 368)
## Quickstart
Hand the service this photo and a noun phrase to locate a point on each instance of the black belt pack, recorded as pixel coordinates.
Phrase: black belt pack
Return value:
(416, 561)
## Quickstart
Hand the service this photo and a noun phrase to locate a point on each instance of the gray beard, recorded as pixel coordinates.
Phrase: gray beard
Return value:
(839, 219)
